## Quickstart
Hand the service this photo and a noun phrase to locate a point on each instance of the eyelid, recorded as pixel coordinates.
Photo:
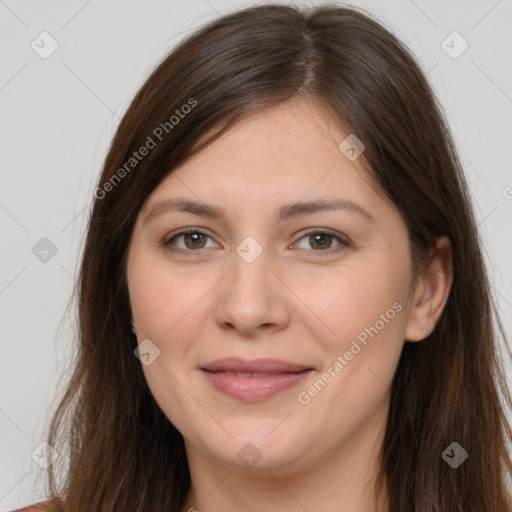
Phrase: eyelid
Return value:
(343, 240)
(167, 241)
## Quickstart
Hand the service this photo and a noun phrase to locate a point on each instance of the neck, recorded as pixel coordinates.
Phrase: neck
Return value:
(343, 480)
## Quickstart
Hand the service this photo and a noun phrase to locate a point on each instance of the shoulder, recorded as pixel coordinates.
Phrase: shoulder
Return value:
(38, 507)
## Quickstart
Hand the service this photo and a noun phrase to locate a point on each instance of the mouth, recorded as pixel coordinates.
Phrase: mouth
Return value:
(256, 380)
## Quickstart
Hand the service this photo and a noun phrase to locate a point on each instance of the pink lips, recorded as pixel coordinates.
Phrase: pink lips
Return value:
(254, 380)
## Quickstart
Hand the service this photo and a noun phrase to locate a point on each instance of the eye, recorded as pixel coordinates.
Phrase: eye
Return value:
(194, 240)
(322, 241)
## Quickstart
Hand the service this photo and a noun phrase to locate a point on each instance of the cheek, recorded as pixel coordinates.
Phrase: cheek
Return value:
(170, 309)
(162, 301)
(166, 309)
(363, 314)
(364, 311)
(356, 303)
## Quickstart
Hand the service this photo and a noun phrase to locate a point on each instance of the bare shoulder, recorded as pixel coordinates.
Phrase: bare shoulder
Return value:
(38, 507)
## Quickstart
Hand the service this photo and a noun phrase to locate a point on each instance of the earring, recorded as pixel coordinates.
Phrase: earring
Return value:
(423, 330)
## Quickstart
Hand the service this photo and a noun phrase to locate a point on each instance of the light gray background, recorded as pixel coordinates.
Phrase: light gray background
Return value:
(58, 115)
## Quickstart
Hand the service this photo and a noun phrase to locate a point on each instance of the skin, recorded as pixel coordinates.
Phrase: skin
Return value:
(293, 302)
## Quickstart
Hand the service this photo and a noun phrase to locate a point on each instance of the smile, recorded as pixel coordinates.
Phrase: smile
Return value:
(253, 386)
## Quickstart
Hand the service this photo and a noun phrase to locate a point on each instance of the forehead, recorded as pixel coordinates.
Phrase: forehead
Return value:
(281, 153)
(279, 134)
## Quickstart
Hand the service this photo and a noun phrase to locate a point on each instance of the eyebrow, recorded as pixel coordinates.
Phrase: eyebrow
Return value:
(285, 212)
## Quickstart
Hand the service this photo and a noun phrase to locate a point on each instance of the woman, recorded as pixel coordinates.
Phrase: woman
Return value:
(282, 295)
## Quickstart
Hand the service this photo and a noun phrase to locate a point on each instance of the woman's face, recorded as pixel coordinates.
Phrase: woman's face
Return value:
(271, 331)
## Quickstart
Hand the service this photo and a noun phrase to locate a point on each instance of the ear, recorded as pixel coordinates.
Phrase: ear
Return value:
(431, 292)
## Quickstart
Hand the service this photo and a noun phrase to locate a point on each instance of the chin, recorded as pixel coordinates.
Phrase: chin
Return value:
(257, 452)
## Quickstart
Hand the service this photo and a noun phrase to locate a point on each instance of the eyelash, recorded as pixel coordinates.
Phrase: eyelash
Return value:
(343, 241)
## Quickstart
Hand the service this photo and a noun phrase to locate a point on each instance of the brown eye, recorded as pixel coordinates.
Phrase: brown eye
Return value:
(320, 241)
(192, 239)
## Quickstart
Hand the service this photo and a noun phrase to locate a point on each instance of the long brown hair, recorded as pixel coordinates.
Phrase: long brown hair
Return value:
(123, 453)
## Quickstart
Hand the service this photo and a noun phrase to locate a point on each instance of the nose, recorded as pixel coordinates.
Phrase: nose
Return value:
(253, 299)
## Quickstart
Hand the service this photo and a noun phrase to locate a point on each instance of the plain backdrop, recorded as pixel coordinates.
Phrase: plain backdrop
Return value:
(59, 113)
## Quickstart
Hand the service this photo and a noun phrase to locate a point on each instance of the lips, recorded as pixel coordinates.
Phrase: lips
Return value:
(244, 375)
(261, 366)
(255, 380)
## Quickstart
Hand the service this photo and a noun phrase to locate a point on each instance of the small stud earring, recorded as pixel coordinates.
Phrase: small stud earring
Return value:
(423, 330)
